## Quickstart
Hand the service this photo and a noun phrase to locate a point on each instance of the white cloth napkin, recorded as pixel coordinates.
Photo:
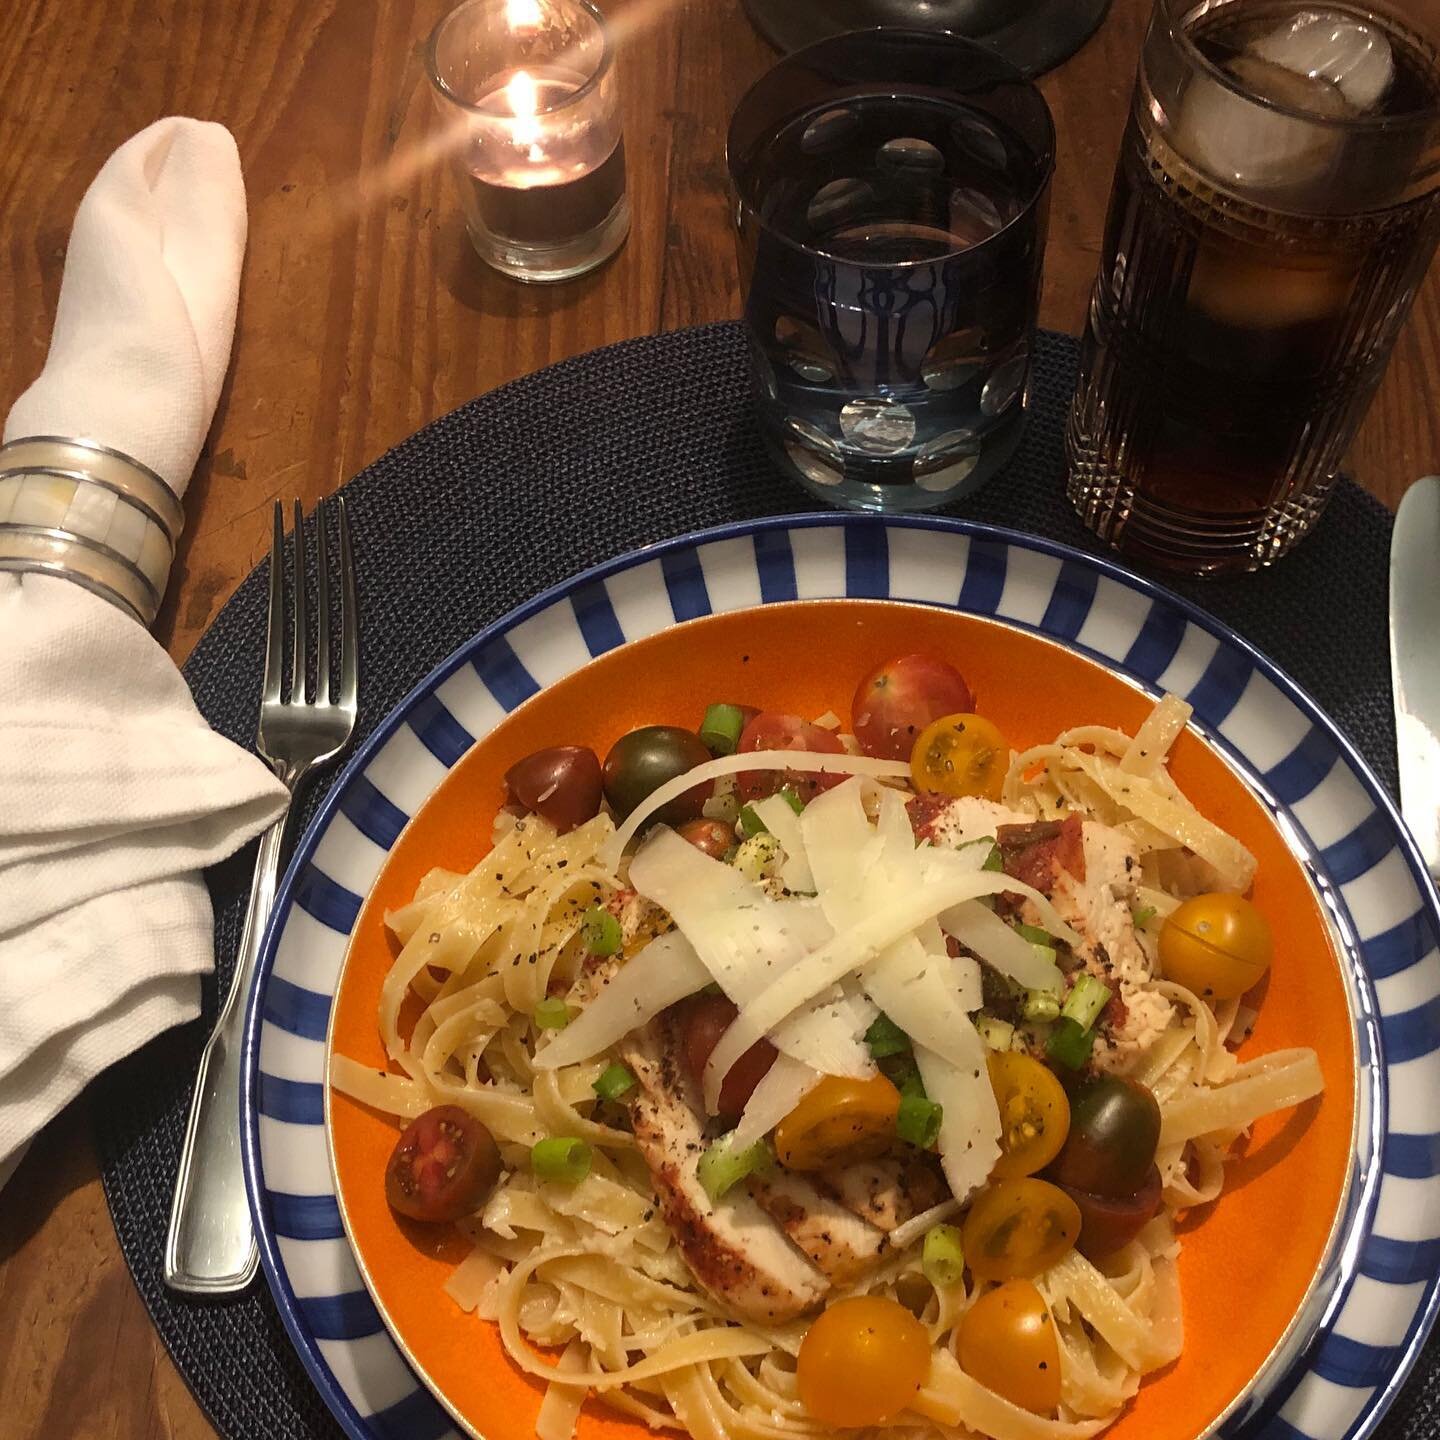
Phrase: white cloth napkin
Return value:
(114, 793)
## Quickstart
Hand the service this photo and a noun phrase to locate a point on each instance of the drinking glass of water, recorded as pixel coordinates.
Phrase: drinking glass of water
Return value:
(892, 191)
(1275, 207)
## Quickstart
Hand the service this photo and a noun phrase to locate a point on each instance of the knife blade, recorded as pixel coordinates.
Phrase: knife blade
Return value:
(1415, 661)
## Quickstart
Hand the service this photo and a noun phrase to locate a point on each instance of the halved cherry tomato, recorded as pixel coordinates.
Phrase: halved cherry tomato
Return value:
(862, 1361)
(1107, 1221)
(769, 731)
(1017, 1228)
(561, 784)
(1216, 945)
(642, 761)
(443, 1166)
(898, 699)
(838, 1122)
(1006, 1340)
(1034, 1113)
(705, 1018)
(1114, 1133)
(960, 755)
(712, 836)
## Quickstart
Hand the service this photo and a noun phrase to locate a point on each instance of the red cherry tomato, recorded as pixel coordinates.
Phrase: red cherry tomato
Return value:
(443, 1166)
(769, 731)
(560, 784)
(1107, 1222)
(898, 699)
(714, 837)
(705, 1018)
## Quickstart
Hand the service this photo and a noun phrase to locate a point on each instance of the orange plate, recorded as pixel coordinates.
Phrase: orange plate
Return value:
(1275, 1218)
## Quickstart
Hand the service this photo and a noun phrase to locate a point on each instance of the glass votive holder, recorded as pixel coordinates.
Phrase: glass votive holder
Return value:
(529, 110)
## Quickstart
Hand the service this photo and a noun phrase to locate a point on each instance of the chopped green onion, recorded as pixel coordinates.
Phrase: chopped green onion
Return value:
(722, 1167)
(729, 856)
(751, 823)
(721, 727)
(1069, 1044)
(1142, 915)
(1036, 936)
(1087, 998)
(757, 857)
(885, 1037)
(552, 1014)
(903, 1073)
(1041, 1005)
(997, 1034)
(918, 1120)
(600, 931)
(561, 1157)
(994, 860)
(943, 1257)
(615, 1081)
(792, 798)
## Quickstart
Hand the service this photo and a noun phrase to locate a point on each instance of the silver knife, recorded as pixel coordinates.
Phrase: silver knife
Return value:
(1415, 661)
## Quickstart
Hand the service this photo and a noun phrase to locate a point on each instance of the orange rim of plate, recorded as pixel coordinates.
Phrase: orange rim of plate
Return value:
(1295, 1164)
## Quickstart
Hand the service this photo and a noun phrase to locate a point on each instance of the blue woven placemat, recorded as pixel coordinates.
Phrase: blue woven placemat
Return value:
(517, 490)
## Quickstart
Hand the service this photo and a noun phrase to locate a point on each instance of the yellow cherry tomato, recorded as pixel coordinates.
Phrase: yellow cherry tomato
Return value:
(838, 1122)
(960, 755)
(1034, 1114)
(1006, 1340)
(1216, 945)
(1017, 1228)
(862, 1361)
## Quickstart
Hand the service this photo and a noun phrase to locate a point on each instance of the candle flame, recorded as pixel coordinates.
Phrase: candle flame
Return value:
(523, 12)
(523, 98)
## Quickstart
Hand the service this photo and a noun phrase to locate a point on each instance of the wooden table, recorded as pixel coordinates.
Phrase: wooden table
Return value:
(363, 316)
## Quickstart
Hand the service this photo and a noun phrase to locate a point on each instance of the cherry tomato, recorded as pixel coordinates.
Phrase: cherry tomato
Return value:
(1216, 945)
(862, 1361)
(1006, 1340)
(960, 755)
(642, 761)
(898, 699)
(1034, 1114)
(712, 836)
(838, 1122)
(560, 784)
(1017, 1228)
(443, 1166)
(769, 731)
(705, 1018)
(1108, 1222)
(1114, 1132)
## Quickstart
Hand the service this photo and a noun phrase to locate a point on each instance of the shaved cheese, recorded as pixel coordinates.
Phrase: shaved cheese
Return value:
(843, 849)
(666, 970)
(784, 1085)
(969, 1142)
(929, 997)
(784, 824)
(985, 934)
(799, 760)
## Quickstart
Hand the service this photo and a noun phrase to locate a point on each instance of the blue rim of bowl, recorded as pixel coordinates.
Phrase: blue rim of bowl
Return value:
(1363, 1196)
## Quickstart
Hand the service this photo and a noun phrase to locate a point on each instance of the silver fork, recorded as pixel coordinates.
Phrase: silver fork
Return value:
(210, 1248)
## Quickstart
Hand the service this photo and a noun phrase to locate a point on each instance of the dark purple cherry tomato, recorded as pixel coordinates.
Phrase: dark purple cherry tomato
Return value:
(443, 1166)
(704, 1019)
(1108, 1221)
(642, 761)
(561, 784)
(714, 837)
(1114, 1132)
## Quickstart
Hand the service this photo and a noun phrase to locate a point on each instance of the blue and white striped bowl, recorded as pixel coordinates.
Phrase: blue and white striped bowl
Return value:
(1367, 1316)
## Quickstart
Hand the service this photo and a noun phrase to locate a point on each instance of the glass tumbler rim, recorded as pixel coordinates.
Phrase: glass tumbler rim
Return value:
(602, 67)
(1176, 14)
(1009, 73)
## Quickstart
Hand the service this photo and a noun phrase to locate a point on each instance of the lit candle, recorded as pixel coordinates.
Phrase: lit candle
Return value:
(537, 143)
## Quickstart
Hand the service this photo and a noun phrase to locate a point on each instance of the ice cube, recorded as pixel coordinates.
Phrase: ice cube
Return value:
(1348, 53)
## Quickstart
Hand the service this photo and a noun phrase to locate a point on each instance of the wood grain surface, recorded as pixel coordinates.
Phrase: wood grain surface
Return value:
(363, 316)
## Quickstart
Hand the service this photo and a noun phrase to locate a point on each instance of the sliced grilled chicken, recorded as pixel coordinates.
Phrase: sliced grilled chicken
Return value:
(732, 1248)
(885, 1193)
(837, 1241)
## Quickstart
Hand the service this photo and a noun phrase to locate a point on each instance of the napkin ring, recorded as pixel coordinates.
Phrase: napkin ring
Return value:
(90, 514)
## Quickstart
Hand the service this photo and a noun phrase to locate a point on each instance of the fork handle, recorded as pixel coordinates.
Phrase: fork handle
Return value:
(210, 1248)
